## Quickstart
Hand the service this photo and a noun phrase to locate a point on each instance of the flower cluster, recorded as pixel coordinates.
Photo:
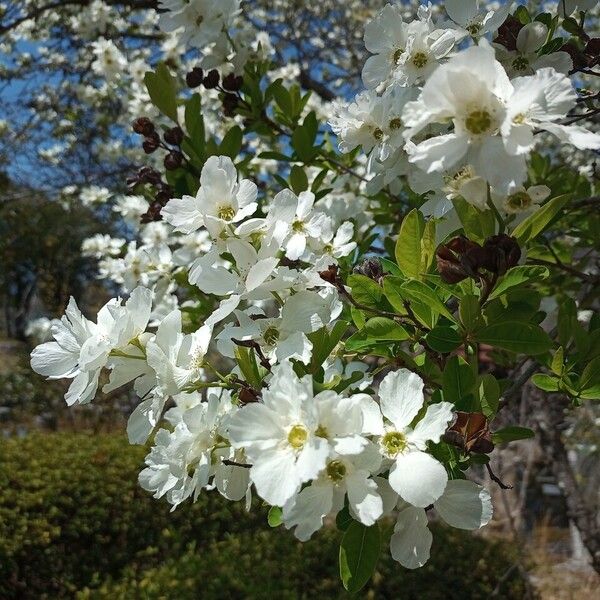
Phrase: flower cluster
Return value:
(459, 122)
(232, 274)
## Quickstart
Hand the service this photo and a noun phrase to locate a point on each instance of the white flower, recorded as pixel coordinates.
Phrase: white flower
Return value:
(290, 434)
(418, 477)
(335, 244)
(302, 221)
(404, 51)
(81, 348)
(570, 6)
(325, 495)
(109, 62)
(372, 121)
(525, 60)
(222, 199)
(464, 505)
(202, 21)
(471, 91)
(538, 102)
(183, 461)
(523, 200)
(474, 21)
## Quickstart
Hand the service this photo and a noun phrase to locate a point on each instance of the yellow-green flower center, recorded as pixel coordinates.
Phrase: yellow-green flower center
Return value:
(397, 54)
(297, 437)
(394, 442)
(520, 63)
(478, 122)
(271, 335)
(298, 226)
(473, 28)
(519, 201)
(226, 213)
(396, 123)
(336, 470)
(378, 134)
(322, 432)
(420, 59)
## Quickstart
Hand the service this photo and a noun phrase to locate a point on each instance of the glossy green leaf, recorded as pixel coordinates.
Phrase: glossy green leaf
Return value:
(512, 434)
(443, 339)
(515, 336)
(458, 382)
(538, 221)
(162, 89)
(519, 276)
(408, 246)
(275, 516)
(365, 291)
(359, 553)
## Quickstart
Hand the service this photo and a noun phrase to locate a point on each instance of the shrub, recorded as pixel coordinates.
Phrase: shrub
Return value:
(72, 517)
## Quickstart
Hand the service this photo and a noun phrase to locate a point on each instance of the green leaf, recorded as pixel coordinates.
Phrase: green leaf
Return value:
(489, 395)
(515, 336)
(162, 89)
(417, 290)
(365, 291)
(359, 553)
(298, 179)
(247, 363)
(589, 381)
(537, 222)
(194, 123)
(519, 276)
(275, 516)
(511, 434)
(469, 312)
(548, 383)
(343, 519)
(408, 246)
(377, 329)
(443, 339)
(557, 365)
(523, 15)
(232, 143)
(324, 342)
(458, 382)
(478, 224)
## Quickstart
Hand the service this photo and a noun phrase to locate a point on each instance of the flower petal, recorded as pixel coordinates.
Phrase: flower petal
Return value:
(418, 478)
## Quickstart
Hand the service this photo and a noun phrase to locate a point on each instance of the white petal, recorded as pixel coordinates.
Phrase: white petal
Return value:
(460, 11)
(465, 505)
(579, 136)
(260, 272)
(143, 419)
(401, 397)
(433, 424)
(439, 153)
(388, 495)
(410, 544)
(232, 482)
(418, 478)
(50, 360)
(183, 214)
(275, 476)
(255, 427)
(306, 511)
(363, 497)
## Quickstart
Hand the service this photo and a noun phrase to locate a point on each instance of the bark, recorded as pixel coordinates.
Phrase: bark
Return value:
(549, 420)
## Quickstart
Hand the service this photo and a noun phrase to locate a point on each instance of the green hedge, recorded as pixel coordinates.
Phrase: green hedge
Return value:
(72, 517)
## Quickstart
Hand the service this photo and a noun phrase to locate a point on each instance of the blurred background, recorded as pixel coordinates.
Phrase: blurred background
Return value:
(73, 521)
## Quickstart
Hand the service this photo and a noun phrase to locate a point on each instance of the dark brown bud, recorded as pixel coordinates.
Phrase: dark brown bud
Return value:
(143, 126)
(247, 395)
(230, 102)
(174, 136)
(149, 175)
(233, 83)
(151, 143)
(173, 160)
(579, 59)
(371, 268)
(508, 32)
(457, 260)
(592, 48)
(194, 77)
(211, 80)
(470, 432)
(502, 253)
(331, 275)
(153, 213)
(164, 194)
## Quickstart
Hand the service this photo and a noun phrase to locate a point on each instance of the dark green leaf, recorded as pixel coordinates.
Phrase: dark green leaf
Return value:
(511, 434)
(359, 553)
(162, 90)
(515, 336)
(443, 339)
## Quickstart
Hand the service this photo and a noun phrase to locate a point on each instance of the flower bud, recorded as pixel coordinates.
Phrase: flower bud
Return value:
(174, 136)
(173, 160)
(152, 214)
(149, 175)
(143, 126)
(457, 259)
(151, 143)
(164, 194)
(230, 103)
(194, 78)
(502, 253)
(232, 82)
(211, 80)
(371, 268)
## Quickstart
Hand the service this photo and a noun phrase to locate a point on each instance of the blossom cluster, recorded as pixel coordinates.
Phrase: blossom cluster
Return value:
(445, 110)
